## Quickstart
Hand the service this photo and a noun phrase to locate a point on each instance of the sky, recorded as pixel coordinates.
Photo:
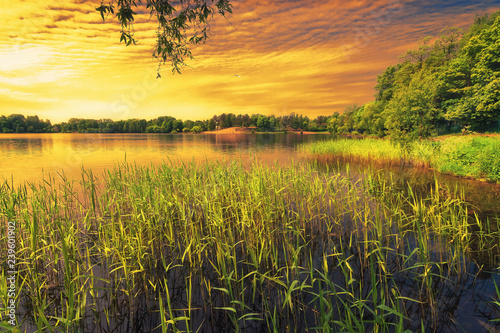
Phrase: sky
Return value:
(59, 60)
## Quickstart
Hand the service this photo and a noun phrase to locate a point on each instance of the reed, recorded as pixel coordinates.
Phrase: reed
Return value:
(422, 153)
(476, 157)
(217, 246)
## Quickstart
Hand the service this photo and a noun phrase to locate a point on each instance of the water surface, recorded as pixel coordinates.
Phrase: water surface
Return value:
(27, 157)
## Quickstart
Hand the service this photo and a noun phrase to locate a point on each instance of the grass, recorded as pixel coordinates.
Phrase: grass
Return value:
(475, 157)
(377, 150)
(219, 247)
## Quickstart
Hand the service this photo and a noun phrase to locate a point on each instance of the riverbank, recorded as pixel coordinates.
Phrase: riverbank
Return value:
(254, 130)
(475, 156)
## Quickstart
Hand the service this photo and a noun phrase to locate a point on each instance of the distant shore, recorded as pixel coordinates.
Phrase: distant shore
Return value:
(250, 130)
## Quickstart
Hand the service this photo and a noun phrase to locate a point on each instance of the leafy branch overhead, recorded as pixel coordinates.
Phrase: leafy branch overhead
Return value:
(180, 24)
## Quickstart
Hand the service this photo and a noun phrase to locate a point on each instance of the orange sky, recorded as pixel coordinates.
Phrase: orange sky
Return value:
(58, 60)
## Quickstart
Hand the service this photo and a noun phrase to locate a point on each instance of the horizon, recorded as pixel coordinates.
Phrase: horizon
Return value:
(153, 118)
(61, 61)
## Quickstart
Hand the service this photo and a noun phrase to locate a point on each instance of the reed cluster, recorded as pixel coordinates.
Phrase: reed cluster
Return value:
(217, 247)
(476, 157)
(422, 153)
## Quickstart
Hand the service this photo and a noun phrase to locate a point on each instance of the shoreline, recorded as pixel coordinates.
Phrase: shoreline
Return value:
(470, 157)
(253, 130)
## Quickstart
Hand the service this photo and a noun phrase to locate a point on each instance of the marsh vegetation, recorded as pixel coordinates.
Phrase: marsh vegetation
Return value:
(466, 156)
(221, 247)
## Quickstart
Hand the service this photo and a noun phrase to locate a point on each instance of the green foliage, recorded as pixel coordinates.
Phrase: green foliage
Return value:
(180, 24)
(477, 157)
(17, 123)
(385, 84)
(372, 119)
(471, 157)
(475, 79)
(263, 123)
(413, 111)
(480, 23)
(165, 124)
(446, 82)
(334, 124)
(421, 153)
(196, 129)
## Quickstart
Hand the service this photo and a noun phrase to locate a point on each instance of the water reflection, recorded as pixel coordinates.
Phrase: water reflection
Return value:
(484, 198)
(28, 157)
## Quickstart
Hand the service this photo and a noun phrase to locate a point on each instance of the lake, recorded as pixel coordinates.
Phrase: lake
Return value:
(303, 240)
(30, 157)
(26, 157)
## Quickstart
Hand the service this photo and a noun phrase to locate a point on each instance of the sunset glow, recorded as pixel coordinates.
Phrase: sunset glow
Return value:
(58, 60)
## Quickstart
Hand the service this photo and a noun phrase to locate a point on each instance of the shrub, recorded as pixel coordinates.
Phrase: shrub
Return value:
(196, 129)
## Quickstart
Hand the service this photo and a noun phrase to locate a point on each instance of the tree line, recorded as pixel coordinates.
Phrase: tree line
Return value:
(17, 123)
(169, 124)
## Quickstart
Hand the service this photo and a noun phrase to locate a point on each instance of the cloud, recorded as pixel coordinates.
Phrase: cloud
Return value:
(312, 57)
(65, 17)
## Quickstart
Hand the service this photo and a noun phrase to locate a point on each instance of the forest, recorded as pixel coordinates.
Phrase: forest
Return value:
(450, 83)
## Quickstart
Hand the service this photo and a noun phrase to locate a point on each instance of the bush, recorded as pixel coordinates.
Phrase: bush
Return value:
(477, 157)
(196, 129)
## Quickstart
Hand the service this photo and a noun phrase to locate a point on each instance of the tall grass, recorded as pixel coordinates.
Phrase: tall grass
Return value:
(476, 157)
(422, 153)
(218, 247)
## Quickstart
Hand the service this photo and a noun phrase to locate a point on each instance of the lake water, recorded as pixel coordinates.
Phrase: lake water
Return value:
(27, 157)
(30, 157)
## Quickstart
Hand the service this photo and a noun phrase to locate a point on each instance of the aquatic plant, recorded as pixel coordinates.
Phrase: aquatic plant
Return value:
(220, 247)
(477, 157)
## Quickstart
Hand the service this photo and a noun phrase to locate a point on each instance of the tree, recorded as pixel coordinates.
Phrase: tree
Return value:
(334, 124)
(372, 120)
(180, 23)
(447, 45)
(189, 124)
(263, 122)
(385, 84)
(196, 129)
(420, 55)
(413, 111)
(177, 125)
(212, 124)
(475, 80)
(349, 118)
(245, 120)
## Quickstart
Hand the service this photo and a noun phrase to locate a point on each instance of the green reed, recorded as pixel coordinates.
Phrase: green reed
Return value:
(181, 248)
(466, 156)
(421, 153)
